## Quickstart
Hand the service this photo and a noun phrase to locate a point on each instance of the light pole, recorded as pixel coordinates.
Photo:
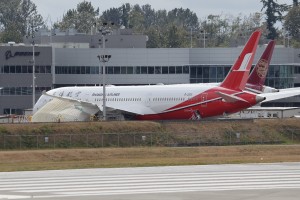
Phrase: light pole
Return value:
(286, 35)
(191, 37)
(203, 32)
(33, 74)
(104, 30)
(33, 30)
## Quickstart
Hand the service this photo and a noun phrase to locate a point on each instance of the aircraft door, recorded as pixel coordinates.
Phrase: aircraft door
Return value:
(148, 99)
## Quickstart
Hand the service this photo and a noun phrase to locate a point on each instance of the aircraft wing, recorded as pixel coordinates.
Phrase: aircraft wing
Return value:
(64, 109)
(135, 109)
(75, 101)
(280, 95)
(289, 89)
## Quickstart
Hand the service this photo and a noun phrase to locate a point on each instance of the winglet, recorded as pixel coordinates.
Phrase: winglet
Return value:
(237, 77)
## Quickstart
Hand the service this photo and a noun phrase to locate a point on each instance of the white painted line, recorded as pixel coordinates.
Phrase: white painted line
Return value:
(14, 197)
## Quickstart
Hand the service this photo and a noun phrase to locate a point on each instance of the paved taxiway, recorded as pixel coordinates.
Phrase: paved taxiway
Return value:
(241, 181)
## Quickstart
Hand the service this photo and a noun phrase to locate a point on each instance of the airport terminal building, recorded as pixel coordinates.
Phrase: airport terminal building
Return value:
(70, 59)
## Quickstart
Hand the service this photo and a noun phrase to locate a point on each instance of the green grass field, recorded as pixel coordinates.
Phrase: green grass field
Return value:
(146, 156)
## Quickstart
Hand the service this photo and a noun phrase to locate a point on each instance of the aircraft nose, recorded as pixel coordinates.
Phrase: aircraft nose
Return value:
(260, 99)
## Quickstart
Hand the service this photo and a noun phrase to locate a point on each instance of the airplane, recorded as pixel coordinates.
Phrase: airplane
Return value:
(160, 102)
(258, 75)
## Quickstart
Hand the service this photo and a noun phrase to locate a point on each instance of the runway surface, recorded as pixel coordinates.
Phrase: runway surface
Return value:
(240, 181)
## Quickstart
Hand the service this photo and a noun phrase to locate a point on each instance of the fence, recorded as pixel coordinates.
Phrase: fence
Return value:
(139, 139)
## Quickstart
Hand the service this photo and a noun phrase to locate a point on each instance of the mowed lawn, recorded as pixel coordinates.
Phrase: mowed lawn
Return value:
(145, 156)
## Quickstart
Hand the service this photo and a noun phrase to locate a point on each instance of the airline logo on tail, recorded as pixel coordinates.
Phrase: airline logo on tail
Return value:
(262, 68)
(245, 62)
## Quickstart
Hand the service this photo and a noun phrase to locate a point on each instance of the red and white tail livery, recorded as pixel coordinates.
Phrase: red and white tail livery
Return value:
(258, 75)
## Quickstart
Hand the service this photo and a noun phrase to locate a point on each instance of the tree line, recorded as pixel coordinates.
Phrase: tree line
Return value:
(177, 28)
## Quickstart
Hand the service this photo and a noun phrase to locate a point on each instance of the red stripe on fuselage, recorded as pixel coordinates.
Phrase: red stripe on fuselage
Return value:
(197, 107)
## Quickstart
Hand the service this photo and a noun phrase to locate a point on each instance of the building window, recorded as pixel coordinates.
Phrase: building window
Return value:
(171, 70)
(199, 72)
(165, 70)
(82, 70)
(158, 70)
(186, 69)
(150, 70)
(18, 69)
(12, 111)
(123, 70)
(6, 69)
(193, 72)
(143, 70)
(12, 69)
(109, 70)
(137, 70)
(29, 69)
(21, 91)
(117, 70)
(88, 70)
(129, 70)
(179, 70)
(24, 69)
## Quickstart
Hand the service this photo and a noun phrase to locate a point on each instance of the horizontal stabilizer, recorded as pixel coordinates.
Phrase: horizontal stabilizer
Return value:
(230, 98)
(280, 95)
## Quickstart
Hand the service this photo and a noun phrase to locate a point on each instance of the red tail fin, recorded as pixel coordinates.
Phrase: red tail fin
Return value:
(237, 77)
(258, 75)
